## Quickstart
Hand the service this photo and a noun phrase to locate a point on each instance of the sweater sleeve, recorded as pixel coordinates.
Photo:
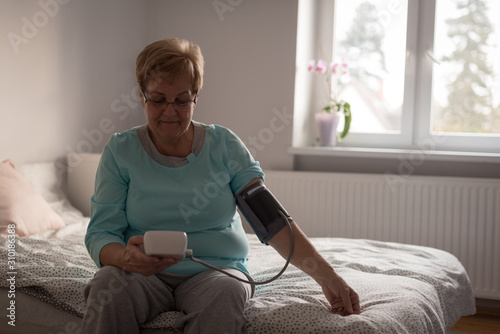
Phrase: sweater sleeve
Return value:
(241, 165)
(108, 220)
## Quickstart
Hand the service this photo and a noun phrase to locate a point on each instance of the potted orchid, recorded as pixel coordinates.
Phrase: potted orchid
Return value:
(328, 119)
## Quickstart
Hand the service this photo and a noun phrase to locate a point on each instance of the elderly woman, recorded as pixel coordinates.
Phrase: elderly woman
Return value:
(177, 174)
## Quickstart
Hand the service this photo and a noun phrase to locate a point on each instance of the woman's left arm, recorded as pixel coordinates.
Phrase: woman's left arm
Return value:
(342, 298)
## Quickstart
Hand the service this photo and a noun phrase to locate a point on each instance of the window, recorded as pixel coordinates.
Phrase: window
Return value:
(422, 74)
(467, 70)
(374, 47)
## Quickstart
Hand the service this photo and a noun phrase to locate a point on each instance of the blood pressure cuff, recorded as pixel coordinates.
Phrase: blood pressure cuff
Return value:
(262, 211)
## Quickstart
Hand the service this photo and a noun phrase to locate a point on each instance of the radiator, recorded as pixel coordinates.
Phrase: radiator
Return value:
(458, 215)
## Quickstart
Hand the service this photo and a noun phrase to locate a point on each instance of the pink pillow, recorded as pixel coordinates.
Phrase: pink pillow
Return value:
(21, 205)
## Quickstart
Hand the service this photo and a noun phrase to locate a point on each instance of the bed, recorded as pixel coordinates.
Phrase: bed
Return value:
(403, 288)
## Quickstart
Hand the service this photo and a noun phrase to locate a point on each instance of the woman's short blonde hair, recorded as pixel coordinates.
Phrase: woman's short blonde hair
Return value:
(170, 57)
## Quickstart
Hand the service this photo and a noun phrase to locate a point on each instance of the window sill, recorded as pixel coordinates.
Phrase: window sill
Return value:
(385, 153)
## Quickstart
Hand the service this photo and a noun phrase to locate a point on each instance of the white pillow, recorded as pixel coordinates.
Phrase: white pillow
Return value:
(22, 205)
(46, 179)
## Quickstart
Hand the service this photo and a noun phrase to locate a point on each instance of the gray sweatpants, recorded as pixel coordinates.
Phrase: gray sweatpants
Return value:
(211, 302)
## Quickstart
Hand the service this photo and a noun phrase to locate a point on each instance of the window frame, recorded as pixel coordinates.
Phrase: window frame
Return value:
(416, 111)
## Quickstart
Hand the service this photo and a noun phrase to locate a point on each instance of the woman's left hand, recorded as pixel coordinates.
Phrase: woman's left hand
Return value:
(342, 298)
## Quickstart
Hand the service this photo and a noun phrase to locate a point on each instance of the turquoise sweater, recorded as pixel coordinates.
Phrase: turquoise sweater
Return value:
(134, 194)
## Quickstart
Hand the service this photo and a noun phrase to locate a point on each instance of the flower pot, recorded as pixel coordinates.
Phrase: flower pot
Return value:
(327, 126)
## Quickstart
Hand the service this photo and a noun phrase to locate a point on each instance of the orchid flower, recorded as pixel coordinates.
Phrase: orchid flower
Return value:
(344, 68)
(311, 66)
(321, 66)
(334, 67)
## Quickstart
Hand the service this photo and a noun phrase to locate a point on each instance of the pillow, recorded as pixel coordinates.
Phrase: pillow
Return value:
(45, 178)
(21, 205)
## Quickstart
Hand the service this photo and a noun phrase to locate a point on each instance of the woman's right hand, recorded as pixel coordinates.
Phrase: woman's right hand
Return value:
(134, 260)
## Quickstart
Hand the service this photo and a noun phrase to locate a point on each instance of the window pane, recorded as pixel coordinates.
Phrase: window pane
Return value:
(370, 36)
(466, 71)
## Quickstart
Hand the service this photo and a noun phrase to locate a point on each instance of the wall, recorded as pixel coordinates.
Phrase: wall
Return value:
(249, 50)
(63, 64)
(68, 81)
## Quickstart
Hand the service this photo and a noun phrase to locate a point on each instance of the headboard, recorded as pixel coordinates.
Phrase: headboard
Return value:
(82, 168)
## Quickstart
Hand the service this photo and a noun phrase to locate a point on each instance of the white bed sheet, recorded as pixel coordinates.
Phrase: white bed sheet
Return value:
(403, 288)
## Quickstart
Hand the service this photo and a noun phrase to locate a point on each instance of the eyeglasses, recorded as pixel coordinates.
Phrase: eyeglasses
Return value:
(179, 104)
